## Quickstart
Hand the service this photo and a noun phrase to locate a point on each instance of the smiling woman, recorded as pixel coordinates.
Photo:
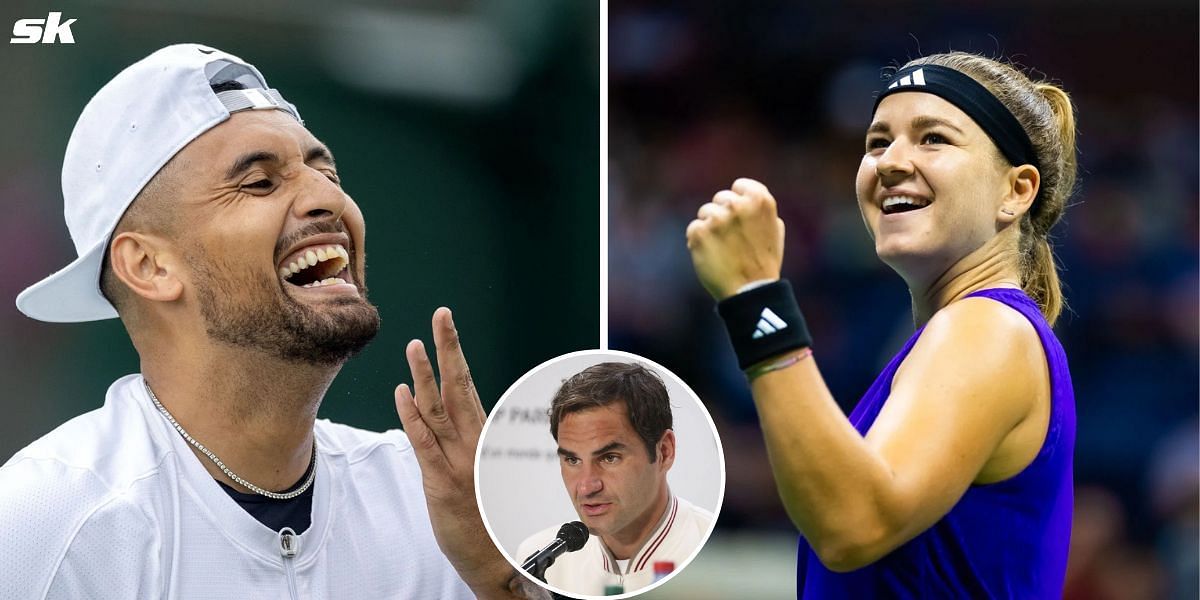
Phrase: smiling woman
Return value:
(952, 476)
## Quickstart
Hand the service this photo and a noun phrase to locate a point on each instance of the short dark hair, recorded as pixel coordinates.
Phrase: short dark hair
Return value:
(225, 86)
(642, 391)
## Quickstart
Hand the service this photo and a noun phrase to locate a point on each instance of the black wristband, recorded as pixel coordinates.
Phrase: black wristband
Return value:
(764, 322)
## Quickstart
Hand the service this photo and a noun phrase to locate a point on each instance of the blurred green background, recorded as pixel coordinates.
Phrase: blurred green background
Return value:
(466, 131)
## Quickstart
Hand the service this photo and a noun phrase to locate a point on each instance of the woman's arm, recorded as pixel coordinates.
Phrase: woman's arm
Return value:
(965, 405)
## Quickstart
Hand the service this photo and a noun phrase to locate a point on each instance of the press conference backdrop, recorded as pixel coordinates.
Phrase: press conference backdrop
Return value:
(519, 483)
(466, 131)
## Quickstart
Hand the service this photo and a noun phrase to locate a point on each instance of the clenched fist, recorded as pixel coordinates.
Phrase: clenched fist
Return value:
(736, 239)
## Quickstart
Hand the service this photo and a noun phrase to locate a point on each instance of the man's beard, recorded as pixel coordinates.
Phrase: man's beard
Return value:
(245, 310)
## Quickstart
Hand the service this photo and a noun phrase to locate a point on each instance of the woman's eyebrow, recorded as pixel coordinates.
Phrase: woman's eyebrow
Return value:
(929, 122)
(922, 122)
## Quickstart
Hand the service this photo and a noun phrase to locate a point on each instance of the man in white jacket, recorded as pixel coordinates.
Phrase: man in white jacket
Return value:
(213, 223)
(613, 425)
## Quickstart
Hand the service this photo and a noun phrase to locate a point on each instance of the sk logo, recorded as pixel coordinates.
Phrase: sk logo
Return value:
(31, 31)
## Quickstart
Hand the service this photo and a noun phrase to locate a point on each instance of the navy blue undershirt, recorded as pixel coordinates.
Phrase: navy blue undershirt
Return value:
(277, 514)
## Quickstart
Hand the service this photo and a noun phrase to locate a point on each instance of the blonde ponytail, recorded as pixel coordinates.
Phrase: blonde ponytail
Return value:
(1048, 117)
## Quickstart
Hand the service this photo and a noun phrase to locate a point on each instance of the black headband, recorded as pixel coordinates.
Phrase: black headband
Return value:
(972, 98)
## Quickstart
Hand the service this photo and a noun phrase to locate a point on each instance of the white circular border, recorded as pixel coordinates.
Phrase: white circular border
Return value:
(661, 370)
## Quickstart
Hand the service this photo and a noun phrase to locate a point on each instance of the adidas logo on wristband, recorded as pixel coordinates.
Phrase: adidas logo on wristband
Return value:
(768, 323)
(764, 322)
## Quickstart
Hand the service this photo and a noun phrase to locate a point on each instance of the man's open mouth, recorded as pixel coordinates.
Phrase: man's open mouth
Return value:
(316, 266)
(899, 204)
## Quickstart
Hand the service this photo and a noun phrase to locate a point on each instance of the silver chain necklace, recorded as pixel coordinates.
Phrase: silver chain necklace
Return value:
(312, 469)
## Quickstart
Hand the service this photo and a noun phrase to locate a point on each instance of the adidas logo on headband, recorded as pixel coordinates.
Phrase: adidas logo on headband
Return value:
(915, 78)
(972, 98)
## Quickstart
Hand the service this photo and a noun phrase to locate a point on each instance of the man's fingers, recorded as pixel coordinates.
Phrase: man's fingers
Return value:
(425, 443)
(428, 399)
(462, 401)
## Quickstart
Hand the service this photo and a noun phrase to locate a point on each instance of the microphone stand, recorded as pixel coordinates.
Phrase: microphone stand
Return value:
(538, 569)
(537, 564)
(571, 537)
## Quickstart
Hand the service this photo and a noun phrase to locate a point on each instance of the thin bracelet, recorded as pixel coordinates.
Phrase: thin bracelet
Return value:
(756, 372)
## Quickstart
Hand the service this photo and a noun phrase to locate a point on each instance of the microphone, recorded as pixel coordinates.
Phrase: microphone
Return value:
(570, 537)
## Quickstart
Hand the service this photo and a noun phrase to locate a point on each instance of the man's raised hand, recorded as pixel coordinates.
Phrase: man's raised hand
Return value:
(443, 424)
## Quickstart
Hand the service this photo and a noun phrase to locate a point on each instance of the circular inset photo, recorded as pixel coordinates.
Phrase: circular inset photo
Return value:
(599, 474)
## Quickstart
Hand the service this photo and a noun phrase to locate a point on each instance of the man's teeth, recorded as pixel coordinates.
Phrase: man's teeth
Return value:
(330, 281)
(312, 257)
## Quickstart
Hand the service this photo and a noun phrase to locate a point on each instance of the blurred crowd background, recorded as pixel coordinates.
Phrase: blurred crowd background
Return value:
(465, 130)
(704, 92)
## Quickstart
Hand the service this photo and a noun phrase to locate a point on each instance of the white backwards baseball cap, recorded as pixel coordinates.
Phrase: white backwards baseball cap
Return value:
(126, 133)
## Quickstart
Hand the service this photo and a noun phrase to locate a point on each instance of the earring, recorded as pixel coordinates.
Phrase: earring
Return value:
(1007, 211)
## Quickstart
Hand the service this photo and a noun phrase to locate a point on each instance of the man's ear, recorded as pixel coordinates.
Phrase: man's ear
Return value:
(666, 449)
(146, 265)
(1023, 185)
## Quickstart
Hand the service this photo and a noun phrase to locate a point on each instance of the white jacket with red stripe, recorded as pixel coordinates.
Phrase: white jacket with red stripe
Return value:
(679, 536)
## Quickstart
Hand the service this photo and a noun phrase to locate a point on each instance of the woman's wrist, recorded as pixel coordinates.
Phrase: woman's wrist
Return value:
(764, 322)
(777, 364)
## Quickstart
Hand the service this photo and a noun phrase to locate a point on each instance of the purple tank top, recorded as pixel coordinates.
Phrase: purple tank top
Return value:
(1002, 540)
